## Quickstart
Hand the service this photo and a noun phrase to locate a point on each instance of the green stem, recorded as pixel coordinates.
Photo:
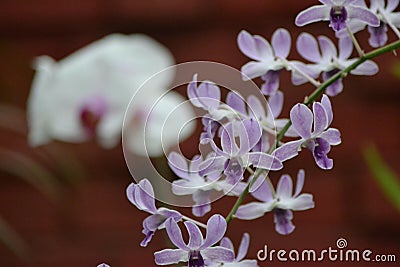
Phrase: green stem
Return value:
(308, 100)
(320, 90)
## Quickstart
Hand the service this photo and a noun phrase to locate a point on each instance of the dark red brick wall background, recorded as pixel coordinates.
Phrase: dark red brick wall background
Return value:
(93, 222)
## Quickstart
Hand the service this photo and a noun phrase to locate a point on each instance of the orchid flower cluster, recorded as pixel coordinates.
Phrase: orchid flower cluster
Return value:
(249, 140)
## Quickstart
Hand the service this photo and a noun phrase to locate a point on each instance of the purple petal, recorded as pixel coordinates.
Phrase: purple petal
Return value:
(175, 234)
(226, 243)
(302, 202)
(320, 118)
(183, 187)
(345, 48)
(219, 254)
(228, 140)
(312, 14)
(285, 187)
(233, 171)
(212, 165)
(275, 103)
(326, 103)
(144, 196)
(307, 47)
(235, 101)
(253, 210)
(192, 92)
(243, 247)
(336, 87)
(391, 5)
(378, 35)
(202, 200)
(148, 236)
(265, 161)
(302, 118)
(283, 221)
(311, 70)
(130, 194)
(167, 213)
(253, 70)
(256, 110)
(327, 47)
(281, 43)
(363, 14)
(254, 47)
(249, 134)
(153, 221)
(195, 236)
(332, 136)
(367, 68)
(170, 256)
(103, 265)
(320, 154)
(209, 94)
(271, 82)
(300, 182)
(178, 165)
(263, 192)
(288, 150)
(216, 227)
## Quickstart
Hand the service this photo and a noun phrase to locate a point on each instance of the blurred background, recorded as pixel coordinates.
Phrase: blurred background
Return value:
(65, 204)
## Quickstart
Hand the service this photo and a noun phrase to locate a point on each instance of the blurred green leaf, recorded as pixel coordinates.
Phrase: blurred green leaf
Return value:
(396, 69)
(12, 240)
(24, 167)
(386, 178)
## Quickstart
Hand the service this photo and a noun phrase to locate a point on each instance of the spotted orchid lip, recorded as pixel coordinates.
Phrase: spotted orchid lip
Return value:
(338, 17)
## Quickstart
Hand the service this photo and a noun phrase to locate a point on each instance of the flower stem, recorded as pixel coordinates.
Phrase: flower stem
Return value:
(308, 100)
(302, 73)
(355, 42)
(202, 225)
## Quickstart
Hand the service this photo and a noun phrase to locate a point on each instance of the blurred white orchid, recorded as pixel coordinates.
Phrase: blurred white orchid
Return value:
(86, 94)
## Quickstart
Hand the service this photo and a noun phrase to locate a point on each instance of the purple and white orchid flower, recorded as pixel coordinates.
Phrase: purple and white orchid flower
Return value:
(142, 196)
(200, 187)
(281, 202)
(318, 140)
(387, 16)
(239, 260)
(269, 59)
(233, 159)
(338, 12)
(197, 250)
(323, 54)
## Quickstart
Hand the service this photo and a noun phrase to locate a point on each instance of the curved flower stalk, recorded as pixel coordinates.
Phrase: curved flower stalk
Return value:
(281, 202)
(338, 12)
(270, 60)
(318, 140)
(85, 95)
(200, 187)
(239, 261)
(197, 250)
(233, 159)
(142, 196)
(322, 52)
